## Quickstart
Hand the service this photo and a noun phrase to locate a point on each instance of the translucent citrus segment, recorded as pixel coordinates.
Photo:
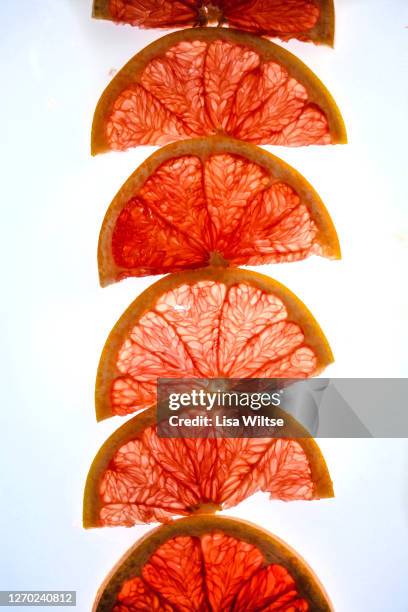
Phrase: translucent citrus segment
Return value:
(203, 82)
(212, 200)
(302, 19)
(140, 477)
(211, 564)
(210, 323)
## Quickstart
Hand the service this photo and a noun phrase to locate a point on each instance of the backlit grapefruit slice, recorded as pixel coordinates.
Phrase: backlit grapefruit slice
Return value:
(285, 19)
(212, 200)
(211, 564)
(208, 81)
(209, 323)
(139, 477)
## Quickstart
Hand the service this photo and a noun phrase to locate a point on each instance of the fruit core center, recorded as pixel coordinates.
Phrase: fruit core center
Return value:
(207, 508)
(210, 14)
(216, 259)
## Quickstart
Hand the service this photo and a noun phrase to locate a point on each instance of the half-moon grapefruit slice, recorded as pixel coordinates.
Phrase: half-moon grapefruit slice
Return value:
(207, 323)
(211, 564)
(208, 81)
(212, 200)
(138, 476)
(285, 19)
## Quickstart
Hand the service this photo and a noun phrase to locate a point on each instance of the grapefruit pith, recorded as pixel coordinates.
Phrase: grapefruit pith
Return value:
(139, 477)
(212, 200)
(302, 19)
(203, 82)
(208, 323)
(211, 564)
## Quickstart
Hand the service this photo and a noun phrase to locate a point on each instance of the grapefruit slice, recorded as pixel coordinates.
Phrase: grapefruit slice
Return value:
(208, 81)
(302, 19)
(211, 564)
(209, 323)
(212, 200)
(139, 477)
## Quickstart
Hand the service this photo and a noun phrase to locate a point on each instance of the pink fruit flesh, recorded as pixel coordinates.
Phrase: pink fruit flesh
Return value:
(199, 88)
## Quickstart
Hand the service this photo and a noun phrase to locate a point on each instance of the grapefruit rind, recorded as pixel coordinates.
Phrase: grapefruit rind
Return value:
(273, 549)
(202, 148)
(321, 33)
(297, 312)
(134, 429)
(132, 72)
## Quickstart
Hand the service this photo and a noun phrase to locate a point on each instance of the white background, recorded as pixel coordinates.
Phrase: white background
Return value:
(55, 318)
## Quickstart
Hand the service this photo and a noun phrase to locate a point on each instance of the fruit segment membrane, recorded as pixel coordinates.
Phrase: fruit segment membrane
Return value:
(215, 81)
(283, 18)
(210, 572)
(191, 213)
(211, 564)
(200, 88)
(208, 330)
(152, 479)
(225, 205)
